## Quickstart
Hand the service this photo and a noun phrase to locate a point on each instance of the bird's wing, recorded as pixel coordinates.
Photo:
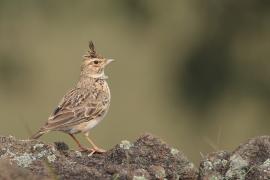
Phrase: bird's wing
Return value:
(77, 106)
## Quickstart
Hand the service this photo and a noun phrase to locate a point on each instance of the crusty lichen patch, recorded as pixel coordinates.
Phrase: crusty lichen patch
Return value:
(207, 165)
(266, 163)
(139, 178)
(158, 171)
(38, 146)
(174, 151)
(24, 160)
(7, 153)
(27, 157)
(238, 167)
(51, 158)
(125, 144)
(215, 177)
(78, 154)
(42, 154)
(214, 165)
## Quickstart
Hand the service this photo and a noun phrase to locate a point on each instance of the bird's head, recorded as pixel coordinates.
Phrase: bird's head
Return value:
(93, 65)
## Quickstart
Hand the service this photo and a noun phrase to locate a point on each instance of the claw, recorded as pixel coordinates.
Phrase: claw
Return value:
(91, 153)
(96, 150)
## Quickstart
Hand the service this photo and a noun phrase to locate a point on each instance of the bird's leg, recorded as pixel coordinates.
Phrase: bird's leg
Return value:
(95, 147)
(78, 143)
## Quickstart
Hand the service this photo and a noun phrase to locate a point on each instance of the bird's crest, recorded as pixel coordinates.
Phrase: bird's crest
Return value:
(91, 53)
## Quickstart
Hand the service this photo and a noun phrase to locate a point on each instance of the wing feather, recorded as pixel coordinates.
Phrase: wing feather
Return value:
(77, 106)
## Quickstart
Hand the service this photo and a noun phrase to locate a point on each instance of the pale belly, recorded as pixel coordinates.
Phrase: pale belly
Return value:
(86, 126)
(89, 125)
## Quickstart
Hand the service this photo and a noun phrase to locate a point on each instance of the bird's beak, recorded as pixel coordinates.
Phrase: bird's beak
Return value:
(109, 61)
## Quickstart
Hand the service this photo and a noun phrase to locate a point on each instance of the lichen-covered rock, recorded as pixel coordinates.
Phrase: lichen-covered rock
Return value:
(214, 165)
(256, 153)
(249, 161)
(147, 158)
(13, 172)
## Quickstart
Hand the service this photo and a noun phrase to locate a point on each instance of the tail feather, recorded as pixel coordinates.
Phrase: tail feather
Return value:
(37, 134)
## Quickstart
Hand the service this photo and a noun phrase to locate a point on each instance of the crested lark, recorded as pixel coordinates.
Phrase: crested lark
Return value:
(84, 106)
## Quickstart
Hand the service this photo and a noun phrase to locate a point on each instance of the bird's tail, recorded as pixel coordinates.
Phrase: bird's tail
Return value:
(38, 134)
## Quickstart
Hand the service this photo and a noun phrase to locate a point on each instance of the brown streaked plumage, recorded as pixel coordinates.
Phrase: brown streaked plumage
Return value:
(84, 106)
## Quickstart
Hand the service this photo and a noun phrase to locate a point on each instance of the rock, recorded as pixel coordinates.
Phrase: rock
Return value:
(249, 161)
(13, 172)
(147, 158)
(214, 165)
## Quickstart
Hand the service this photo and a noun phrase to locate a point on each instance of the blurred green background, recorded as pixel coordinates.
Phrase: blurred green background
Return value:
(195, 73)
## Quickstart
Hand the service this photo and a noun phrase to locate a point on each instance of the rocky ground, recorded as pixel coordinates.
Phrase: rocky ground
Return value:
(146, 158)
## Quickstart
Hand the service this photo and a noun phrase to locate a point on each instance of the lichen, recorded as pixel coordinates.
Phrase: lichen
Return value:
(160, 174)
(115, 176)
(238, 167)
(42, 154)
(78, 154)
(37, 146)
(8, 153)
(24, 160)
(265, 167)
(266, 163)
(11, 137)
(125, 144)
(214, 178)
(222, 162)
(157, 171)
(207, 165)
(174, 151)
(51, 158)
(139, 178)
(190, 165)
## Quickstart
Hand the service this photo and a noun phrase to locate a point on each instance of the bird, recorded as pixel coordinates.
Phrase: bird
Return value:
(84, 106)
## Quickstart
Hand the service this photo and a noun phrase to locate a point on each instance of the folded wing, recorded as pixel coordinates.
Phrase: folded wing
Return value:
(77, 106)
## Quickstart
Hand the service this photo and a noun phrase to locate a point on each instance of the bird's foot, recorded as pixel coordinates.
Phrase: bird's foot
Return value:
(96, 150)
(92, 150)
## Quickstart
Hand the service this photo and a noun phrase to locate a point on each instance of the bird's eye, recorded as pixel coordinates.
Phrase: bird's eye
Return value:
(95, 62)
